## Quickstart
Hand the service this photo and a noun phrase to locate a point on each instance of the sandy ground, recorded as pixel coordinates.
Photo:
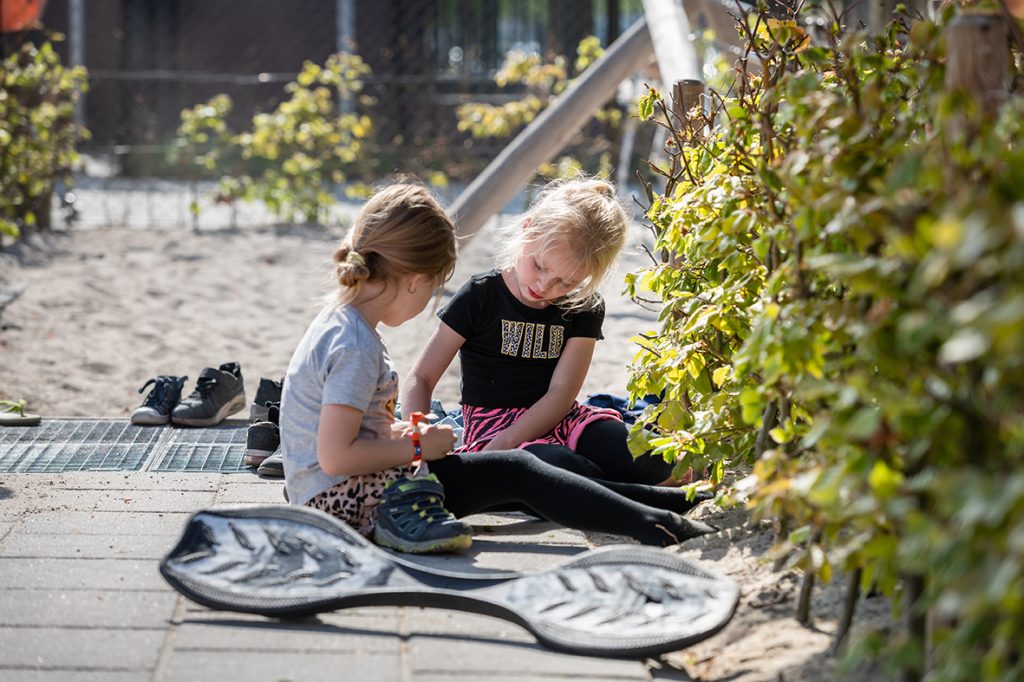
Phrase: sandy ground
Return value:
(105, 309)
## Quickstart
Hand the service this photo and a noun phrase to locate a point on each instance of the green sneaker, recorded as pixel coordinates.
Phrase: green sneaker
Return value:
(413, 519)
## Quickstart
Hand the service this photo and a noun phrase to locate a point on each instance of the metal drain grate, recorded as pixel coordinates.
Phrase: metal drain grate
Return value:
(62, 445)
(220, 448)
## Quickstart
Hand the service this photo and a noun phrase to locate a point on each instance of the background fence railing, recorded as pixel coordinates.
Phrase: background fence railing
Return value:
(148, 60)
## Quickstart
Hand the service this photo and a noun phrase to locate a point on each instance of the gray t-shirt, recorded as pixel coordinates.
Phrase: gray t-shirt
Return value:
(340, 361)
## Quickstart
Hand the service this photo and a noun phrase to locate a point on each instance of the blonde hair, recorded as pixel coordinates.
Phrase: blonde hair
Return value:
(402, 230)
(586, 215)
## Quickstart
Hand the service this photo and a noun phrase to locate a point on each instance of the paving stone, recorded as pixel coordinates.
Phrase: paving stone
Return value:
(152, 547)
(239, 631)
(94, 574)
(68, 675)
(154, 500)
(460, 624)
(514, 675)
(80, 648)
(382, 616)
(87, 608)
(112, 499)
(105, 480)
(251, 492)
(439, 655)
(106, 523)
(189, 665)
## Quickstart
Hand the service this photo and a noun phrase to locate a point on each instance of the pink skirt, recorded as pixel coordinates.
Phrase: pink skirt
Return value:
(483, 424)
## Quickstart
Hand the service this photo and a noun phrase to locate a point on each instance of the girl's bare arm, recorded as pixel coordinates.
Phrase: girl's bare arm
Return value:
(341, 452)
(434, 359)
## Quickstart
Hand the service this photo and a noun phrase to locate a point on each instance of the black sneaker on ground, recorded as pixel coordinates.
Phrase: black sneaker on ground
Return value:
(273, 466)
(412, 518)
(219, 393)
(156, 408)
(269, 391)
(262, 438)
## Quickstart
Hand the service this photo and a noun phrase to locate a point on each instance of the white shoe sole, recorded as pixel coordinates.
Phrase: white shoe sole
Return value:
(150, 419)
(254, 458)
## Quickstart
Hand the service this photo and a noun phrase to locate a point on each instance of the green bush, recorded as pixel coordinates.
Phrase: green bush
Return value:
(38, 133)
(842, 307)
(291, 158)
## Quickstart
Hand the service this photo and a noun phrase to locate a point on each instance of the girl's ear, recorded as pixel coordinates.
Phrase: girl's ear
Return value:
(526, 223)
(415, 282)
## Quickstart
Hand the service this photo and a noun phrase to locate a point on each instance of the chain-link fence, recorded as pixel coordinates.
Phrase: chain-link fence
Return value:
(150, 59)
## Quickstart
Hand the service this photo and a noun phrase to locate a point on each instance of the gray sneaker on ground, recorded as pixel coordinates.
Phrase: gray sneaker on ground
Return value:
(269, 391)
(273, 466)
(219, 393)
(412, 518)
(156, 408)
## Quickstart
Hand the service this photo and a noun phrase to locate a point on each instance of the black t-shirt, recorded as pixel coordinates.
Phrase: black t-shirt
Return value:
(511, 349)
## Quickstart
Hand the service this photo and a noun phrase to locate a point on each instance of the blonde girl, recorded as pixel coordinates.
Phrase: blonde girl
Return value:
(526, 332)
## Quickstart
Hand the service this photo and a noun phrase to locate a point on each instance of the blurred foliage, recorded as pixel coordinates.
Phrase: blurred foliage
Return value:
(842, 308)
(293, 158)
(38, 132)
(593, 150)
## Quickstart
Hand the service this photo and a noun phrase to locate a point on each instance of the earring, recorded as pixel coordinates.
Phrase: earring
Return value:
(412, 289)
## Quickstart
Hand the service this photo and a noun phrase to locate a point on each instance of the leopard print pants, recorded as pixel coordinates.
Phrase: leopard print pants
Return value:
(355, 500)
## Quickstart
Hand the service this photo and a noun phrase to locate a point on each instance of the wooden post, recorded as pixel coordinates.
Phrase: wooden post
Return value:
(978, 56)
(686, 94)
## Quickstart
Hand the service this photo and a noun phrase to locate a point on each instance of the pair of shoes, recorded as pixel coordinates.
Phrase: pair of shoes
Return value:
(219, 393)
(412, 518)
(157, 406)
(263, 441)
(263, 437)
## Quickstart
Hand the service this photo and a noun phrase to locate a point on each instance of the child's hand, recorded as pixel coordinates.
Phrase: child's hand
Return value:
(499, 442)
(437, 441)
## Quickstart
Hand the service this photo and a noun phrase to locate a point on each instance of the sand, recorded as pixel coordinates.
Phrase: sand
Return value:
(105, 309)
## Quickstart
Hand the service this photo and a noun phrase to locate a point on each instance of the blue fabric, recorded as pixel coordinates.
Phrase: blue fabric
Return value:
(621, 405)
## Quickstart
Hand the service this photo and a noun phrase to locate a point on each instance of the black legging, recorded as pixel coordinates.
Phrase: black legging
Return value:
(604, 443)
(483, 481)
(670, 498)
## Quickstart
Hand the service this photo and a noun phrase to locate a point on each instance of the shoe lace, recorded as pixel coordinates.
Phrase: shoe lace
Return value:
(157, 396)
(205, 385)
(431, 509)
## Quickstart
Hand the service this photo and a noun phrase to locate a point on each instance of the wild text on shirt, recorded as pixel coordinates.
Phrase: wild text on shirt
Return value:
(528, 337)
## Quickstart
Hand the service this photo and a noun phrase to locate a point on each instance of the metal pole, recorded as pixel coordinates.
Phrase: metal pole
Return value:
(345, 37)
(76, 45)
(670, 33)
(540, 141)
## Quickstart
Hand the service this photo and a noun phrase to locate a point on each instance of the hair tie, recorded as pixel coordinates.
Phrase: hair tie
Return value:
(355, 258)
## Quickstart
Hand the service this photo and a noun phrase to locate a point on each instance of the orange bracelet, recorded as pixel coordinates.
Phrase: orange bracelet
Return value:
(415, 418)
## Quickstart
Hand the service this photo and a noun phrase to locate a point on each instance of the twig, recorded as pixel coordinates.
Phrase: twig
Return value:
(849, 609)
(803, 603)
(767, 422)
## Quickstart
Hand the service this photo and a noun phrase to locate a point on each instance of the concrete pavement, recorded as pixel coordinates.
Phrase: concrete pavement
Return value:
(81, 597)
